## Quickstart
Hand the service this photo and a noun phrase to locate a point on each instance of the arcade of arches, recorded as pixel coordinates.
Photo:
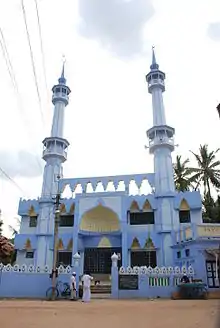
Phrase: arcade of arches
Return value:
(97, 259)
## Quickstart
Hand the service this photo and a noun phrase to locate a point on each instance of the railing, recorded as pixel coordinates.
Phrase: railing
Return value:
(159, 281)
(156, 81)
(56, 151)
(160, 141)
(60, 95)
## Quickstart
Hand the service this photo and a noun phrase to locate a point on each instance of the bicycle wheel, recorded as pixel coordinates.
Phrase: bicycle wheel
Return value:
(49, 293)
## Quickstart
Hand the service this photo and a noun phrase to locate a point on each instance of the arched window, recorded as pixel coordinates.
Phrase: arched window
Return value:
(143, 257)
(142, 216)
(66, 218)
(184, 212)
(32, 217)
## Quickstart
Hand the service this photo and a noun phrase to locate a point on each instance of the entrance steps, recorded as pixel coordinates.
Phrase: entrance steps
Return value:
(101, 296)
(103, 278)
(105, 284)
(101, 289)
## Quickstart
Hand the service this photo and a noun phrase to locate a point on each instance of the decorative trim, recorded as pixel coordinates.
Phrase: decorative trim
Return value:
(28, 245)
(32, 269)
(100, 202)
(70, 245)
(157, 271)
(31, 211)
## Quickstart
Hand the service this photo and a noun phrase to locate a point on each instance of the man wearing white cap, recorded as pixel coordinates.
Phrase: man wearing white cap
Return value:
(73, 286)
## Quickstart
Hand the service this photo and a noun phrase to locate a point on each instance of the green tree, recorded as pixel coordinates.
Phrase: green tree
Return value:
(211, 209)
(208, 173)
(182, 174)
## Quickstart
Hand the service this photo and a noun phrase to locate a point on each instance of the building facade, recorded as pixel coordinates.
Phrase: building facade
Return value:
(154, 227)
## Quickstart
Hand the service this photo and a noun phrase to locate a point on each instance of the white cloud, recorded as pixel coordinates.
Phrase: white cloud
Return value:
(117, 24)
(20, 164)
(109, 109)
(214, 31)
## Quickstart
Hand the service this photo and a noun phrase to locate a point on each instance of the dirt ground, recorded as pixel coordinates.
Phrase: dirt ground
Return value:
(109, 313)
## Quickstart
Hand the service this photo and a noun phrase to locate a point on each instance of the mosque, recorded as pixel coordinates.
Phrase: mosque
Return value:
(160, 228)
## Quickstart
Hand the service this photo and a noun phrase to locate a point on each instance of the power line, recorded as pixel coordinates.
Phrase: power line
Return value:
(15, 86)
(14, 82)
(42, 48)
(7, 59)
(32, 59)
(11, 180)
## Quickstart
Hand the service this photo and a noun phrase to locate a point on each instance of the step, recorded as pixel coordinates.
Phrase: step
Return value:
(101, 289)
(101, 296)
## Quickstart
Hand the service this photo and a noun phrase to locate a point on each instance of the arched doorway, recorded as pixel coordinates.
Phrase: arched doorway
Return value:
(101, 222)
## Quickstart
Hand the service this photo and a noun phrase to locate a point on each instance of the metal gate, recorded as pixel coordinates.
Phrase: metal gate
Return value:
(98, 260)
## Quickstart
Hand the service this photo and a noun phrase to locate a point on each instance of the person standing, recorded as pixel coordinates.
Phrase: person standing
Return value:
(185, 279)
(86, 281)
(73, 286)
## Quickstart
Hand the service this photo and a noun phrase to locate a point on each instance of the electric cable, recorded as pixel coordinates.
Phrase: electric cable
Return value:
(11, 73)
(11, 180)
(42, 48)
(32, 60)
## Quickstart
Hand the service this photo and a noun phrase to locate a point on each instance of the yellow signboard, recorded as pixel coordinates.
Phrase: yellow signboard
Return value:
(208, 231)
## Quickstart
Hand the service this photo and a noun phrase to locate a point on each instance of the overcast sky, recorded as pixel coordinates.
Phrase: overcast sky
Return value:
(107, 45)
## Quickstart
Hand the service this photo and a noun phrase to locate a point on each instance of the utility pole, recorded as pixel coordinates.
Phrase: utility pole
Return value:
(218, 261)
(55, 242)
(218, 109)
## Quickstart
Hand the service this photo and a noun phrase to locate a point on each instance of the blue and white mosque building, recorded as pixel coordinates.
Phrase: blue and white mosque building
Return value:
(159, 229)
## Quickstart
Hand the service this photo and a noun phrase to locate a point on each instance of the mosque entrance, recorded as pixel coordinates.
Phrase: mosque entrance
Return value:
(98, 260)
(103, 222)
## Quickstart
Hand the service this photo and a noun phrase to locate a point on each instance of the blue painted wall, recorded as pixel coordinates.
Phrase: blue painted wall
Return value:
(26, 285)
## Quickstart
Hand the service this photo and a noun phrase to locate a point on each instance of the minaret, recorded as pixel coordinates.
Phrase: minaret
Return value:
(55, 146)
(161, 142)
(55, 155)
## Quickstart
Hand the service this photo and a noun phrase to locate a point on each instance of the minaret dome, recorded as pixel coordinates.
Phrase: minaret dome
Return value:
(61, 91)
(155, 78)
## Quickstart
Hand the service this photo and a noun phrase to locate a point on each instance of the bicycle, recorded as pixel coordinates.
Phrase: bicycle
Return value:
(62, 290)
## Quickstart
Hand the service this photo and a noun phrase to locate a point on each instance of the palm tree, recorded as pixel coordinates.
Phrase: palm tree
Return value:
(182, 174)
(208, 173)
(211, 209)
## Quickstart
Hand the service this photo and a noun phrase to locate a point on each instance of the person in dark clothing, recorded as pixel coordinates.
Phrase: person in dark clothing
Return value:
(185, 279)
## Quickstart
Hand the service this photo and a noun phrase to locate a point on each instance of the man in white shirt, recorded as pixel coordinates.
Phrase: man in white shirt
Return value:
(73, 286)
(86, 281)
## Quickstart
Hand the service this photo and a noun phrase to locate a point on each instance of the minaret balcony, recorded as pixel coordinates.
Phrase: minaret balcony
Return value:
(55, 153)
(55, 147)
(159, 142)
(156, 83)
(60, 96)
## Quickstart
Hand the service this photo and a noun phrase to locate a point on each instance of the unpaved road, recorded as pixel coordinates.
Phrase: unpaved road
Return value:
(109, 313)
